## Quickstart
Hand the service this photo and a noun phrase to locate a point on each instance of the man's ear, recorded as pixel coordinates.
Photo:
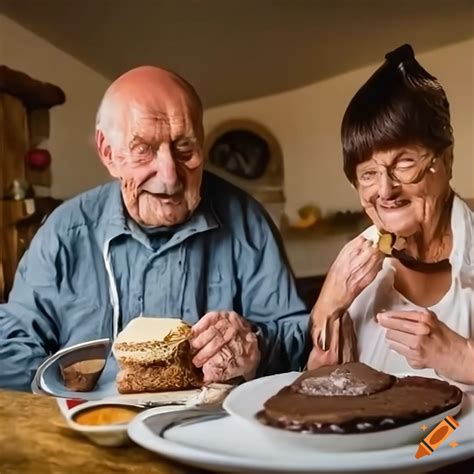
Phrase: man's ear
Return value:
(103, 148)
(105, 152)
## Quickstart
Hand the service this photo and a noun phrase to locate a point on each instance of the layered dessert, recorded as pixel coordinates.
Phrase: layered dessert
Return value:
(354, 398)
(154, 355)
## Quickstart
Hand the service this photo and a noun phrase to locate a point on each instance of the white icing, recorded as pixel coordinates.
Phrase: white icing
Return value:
(148, 329)
(339, 382)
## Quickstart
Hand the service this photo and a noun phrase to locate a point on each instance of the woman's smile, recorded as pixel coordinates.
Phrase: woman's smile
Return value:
(393, 206)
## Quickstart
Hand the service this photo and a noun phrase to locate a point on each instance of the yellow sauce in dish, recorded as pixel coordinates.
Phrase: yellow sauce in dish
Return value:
(106, 415)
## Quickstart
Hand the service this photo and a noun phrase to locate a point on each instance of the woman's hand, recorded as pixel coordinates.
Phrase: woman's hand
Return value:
(427, 342)
(333, 343)
(354, 269)
(356, 266)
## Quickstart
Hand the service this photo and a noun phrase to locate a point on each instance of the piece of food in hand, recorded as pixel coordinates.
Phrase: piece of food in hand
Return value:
(154, 355)
(385, 241)
(355, 398)
(82, 376)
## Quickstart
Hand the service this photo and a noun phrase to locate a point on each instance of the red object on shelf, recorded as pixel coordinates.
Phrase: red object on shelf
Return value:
(38, 159)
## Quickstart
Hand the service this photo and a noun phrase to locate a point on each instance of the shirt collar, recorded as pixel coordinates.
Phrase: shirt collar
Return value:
(203, 219)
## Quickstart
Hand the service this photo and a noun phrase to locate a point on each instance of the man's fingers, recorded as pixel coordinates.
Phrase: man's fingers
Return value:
(209, 350)
(212, 373)
(222, 366)
(208, 320)
(211, 318)
(204, 338)
(223, 327)
(209, 343)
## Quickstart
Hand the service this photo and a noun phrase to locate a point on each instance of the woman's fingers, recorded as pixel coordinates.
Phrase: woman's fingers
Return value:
(409, 340)
(396, 321)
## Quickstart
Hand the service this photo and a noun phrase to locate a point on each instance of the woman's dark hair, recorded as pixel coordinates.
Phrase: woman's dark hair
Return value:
(400, 105)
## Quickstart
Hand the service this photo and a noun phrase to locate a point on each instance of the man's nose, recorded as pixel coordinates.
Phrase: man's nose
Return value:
(166, 166)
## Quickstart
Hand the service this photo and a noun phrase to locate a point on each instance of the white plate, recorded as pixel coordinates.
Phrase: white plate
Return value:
(48, 381)
(234, 445)
(248, 399)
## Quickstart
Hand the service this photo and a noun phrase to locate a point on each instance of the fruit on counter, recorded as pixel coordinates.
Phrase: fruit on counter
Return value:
(309, 215)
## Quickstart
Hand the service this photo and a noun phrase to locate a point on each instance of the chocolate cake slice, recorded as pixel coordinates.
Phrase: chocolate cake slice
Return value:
(354, 398)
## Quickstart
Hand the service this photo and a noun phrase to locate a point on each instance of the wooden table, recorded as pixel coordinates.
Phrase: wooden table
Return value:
(34, 438)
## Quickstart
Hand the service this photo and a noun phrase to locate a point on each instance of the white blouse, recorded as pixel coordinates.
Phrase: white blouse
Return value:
(455, 309)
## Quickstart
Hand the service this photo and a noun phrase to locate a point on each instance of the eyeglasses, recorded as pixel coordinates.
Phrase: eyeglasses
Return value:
(405, 170)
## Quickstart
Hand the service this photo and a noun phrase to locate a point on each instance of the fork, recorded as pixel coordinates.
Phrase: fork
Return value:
(162, 422)
(151, 404)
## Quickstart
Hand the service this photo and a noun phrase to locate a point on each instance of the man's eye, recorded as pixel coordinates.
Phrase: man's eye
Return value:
(184, 148)
(142, 149)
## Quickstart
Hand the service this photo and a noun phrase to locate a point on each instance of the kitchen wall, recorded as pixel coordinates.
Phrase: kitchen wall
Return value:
(306, 122)
(75, 165)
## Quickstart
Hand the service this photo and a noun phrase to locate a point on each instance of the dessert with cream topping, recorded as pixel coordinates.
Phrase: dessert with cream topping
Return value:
(154, 355)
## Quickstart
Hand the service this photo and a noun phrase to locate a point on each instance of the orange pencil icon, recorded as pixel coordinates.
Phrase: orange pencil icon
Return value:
(436, 437)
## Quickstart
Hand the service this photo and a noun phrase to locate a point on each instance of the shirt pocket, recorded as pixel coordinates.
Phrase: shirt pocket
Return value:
(215, 291)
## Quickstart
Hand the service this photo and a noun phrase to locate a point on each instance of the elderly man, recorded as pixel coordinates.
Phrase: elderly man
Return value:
(162, 239)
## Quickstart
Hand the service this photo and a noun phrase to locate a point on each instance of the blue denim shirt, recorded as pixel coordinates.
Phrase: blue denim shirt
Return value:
(89, 271)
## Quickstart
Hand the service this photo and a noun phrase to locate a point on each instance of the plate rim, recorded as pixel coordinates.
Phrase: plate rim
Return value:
(143, 436)
(337, 436)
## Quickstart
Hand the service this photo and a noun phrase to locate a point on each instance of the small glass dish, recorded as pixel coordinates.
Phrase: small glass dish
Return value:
(104, 423)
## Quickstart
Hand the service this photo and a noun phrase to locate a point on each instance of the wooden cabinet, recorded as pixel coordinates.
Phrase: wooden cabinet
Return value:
(19, 223)
(24, 125)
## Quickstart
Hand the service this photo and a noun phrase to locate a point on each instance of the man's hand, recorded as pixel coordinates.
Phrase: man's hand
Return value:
(225, 346)
(427, 342)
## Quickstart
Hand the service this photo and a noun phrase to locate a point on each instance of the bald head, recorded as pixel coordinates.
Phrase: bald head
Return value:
(149, 134)
(146, 85)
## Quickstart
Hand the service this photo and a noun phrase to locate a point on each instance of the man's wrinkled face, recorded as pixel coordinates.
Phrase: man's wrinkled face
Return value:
(156, 152)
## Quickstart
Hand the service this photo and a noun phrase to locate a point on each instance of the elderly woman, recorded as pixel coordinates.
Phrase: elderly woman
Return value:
(415, 308)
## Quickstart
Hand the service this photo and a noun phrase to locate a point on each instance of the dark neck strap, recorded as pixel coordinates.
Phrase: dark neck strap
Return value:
(419, 266)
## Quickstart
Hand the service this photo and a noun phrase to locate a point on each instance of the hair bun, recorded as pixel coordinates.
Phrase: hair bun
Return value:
(401, 54)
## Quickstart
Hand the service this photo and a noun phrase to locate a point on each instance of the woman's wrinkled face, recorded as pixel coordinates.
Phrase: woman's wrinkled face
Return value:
(403, 209)
(156, 152)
